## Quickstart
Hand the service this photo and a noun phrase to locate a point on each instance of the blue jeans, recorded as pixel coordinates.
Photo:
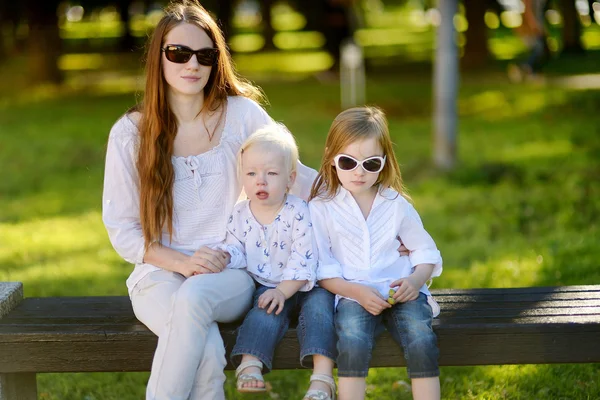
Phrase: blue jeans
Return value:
(409, 324)
(260, 332)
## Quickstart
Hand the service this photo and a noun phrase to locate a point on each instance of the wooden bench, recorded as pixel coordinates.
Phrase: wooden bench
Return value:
(476, 327)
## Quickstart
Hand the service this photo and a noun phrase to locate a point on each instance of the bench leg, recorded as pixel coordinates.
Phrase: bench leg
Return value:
(21, 386)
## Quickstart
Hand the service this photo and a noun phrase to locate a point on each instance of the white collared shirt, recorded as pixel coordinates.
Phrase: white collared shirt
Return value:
(366, 251)
(282, 250)
(205, 189)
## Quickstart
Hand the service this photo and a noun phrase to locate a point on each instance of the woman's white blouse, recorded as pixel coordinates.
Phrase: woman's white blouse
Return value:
(205, 189)
(366, 251)
(282, 250)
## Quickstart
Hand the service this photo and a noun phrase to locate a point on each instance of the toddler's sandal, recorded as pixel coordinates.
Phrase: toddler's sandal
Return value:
(319, 394)
(243, 379)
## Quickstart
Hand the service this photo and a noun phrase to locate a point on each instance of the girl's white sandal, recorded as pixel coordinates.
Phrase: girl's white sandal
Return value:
(242, 379)
(319, 394)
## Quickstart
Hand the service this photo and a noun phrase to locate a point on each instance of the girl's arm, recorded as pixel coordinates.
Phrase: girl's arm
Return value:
(409, 287)
(422, 247)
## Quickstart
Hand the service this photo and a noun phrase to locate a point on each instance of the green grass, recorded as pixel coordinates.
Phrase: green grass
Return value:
(521, 208)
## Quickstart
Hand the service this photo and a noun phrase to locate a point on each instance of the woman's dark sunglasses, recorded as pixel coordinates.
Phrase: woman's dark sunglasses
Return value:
(179, 54)
(371, 164)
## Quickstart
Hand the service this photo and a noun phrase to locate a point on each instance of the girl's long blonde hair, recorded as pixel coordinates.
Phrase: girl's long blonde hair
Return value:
(353, 125)
(158, 125)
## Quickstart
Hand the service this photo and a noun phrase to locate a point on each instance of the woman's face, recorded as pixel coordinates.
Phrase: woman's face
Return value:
(191, 77)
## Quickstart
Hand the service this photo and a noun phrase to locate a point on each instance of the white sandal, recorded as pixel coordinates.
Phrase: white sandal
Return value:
(242, 379)
(319, 394)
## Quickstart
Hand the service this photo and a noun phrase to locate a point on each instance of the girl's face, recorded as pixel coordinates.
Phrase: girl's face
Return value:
(188, 78)
(265, 176)
(358, 181)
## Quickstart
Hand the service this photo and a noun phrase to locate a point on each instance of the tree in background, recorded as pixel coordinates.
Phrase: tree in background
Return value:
(571, 30)
(477, 53)
(334, 19)
(44, 45)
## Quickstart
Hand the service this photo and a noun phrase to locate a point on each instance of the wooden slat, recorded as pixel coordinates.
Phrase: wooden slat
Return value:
(476, 327)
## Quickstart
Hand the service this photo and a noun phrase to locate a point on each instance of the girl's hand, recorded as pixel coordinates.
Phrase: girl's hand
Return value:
(402, 249)
(210, 261)
(275, 298)
(408, 289)
(371, 300)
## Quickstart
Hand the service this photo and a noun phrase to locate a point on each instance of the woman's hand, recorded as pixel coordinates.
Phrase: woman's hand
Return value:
(204, 261)
(275, 298)
(371, 300)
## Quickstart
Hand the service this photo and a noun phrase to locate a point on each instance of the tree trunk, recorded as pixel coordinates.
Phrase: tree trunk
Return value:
(43, 42)
(445, 87)
(268, 31)
(127, 42)
(571, 31)
(477, 53)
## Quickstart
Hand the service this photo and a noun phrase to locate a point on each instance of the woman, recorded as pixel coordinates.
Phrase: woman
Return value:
(170, 184)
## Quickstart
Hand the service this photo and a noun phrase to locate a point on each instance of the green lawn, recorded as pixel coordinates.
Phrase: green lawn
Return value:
(521, 209)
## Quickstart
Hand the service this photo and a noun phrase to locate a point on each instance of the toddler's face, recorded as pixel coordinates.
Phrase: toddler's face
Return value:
(265, 175)
(358, 181)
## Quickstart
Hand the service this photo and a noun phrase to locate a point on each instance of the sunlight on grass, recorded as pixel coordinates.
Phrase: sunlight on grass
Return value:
(538, 149)
(247, 42)
(68, 62)
(506, 48)
(298, 40)
(591, 39)
(497, 104)
(55, 253)
(293, 62)
(91, 29)
(390, 36)
(286, 19)
(515, 270)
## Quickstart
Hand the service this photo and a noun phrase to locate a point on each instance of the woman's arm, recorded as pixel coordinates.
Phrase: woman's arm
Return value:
(121, 212)
(120, 197)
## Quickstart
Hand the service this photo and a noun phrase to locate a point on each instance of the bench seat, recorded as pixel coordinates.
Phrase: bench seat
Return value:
(476, 327)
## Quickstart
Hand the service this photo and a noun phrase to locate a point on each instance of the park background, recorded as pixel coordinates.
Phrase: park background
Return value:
(520, 206)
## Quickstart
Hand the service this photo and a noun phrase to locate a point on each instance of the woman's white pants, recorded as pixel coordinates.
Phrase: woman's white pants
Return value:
(183, 313)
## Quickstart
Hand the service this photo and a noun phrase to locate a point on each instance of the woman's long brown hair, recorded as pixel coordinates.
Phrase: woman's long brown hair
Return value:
(158, 125)
(353, 125)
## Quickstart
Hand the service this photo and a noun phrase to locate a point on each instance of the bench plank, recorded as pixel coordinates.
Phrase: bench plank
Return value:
(476, 327)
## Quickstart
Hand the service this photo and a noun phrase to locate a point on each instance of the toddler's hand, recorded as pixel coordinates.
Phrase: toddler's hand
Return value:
(407, 290)
(371, 300)
(275, 298)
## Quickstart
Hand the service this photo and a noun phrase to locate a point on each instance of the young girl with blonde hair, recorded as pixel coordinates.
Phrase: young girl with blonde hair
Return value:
(360, 211)
(270, 234)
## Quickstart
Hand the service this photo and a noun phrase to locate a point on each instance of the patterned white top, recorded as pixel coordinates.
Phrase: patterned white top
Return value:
(366, 251)
(205, 190)
(282, 250)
